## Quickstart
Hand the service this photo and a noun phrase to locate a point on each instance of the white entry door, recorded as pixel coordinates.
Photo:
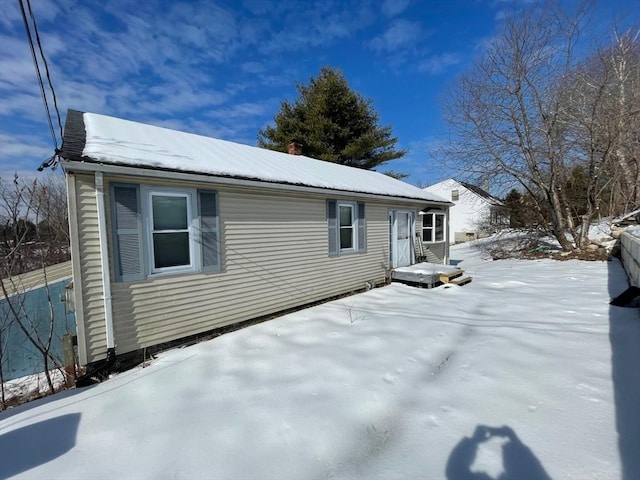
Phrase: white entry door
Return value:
(401, 226)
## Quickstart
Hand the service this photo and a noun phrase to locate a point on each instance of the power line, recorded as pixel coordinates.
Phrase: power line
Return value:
(46, 68)
(52, 160)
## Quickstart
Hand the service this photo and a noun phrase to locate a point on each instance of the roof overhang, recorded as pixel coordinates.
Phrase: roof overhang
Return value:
(89, 166)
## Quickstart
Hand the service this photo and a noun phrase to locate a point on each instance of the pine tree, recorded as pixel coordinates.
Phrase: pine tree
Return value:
(333, 123)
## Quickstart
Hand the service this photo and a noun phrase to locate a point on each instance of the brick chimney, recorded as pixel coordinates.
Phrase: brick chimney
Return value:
(294, 148)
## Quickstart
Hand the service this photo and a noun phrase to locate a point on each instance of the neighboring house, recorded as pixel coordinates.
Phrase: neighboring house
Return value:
(175, 234)
(475, 212)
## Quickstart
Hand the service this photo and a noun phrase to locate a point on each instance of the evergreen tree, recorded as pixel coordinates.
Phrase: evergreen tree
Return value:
(333, 123)
(522, 212)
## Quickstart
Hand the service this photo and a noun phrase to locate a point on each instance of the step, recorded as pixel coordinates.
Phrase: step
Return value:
(461, 280)
(446, 277)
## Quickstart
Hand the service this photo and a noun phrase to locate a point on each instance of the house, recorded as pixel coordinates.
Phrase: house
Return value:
(475, 212)
(175, 234)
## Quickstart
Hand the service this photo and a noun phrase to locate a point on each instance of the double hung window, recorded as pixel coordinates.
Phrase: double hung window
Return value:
(170, 228)
(347, 228)
(164, 230)
(433, 227)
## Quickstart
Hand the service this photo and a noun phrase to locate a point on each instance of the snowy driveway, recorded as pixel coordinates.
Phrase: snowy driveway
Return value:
(514, 376)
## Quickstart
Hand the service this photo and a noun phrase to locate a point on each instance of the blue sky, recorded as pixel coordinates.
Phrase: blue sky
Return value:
(222, 68)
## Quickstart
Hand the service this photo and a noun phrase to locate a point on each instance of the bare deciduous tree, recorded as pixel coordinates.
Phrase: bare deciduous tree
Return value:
(601, 107)
(34, 235)
(523, 116)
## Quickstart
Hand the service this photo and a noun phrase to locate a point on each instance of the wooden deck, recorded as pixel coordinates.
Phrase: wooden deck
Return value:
(429, 275)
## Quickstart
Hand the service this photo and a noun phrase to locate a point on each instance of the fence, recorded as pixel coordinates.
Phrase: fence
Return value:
(19, 357)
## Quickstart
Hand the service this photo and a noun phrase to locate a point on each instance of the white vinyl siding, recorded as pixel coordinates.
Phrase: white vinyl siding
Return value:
(275, 251)
(94, 343)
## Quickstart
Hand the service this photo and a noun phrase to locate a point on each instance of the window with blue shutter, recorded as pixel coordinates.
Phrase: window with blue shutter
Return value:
(332, 226)
(209, 229)
(346, 227)
(156, 231)
(128, 232)
(362, 229)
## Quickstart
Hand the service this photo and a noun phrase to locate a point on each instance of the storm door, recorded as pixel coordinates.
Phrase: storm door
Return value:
(401, 226)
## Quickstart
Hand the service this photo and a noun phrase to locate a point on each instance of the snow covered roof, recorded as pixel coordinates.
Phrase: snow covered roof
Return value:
(90, 137)
(447, 184)
(482, 193)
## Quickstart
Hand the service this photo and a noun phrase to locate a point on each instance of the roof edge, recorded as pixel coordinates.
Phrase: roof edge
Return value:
(75, 136)
(86, 164)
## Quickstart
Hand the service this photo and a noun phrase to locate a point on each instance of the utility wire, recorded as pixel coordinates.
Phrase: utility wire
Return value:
(51, 161)
(38, 74)
(46, 68)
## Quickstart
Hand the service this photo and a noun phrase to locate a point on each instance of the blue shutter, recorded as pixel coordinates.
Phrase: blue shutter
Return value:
(127, 227)
(362, 229)
(332, 226)
(209, 230)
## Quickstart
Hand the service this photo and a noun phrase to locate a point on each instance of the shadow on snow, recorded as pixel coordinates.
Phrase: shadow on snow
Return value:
(518, 461)
(33, 445)
(624, 337)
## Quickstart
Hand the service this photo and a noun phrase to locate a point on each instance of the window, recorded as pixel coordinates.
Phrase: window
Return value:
(163, 230)
(433, 227)
(455, 195)
(346, 226)
(170, 221)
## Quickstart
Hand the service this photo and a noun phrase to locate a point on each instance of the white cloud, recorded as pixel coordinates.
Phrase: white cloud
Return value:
(400, 34)
(22, 154)
(170, 99)
(437, 64)
(259, 7)
(391, 8)
(17, 146)
(240, 110)
(27, 105)
(316, 24)
(253, 67)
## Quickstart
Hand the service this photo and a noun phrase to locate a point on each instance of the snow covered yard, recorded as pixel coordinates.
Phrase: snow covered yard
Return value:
(526, 373)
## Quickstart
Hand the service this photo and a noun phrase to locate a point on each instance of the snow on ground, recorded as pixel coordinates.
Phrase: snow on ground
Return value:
(525, 373)
(32, 385)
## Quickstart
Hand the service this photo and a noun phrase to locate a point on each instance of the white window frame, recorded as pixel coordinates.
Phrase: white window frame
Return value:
(354, 226)
(147, 194)
(432, 228)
